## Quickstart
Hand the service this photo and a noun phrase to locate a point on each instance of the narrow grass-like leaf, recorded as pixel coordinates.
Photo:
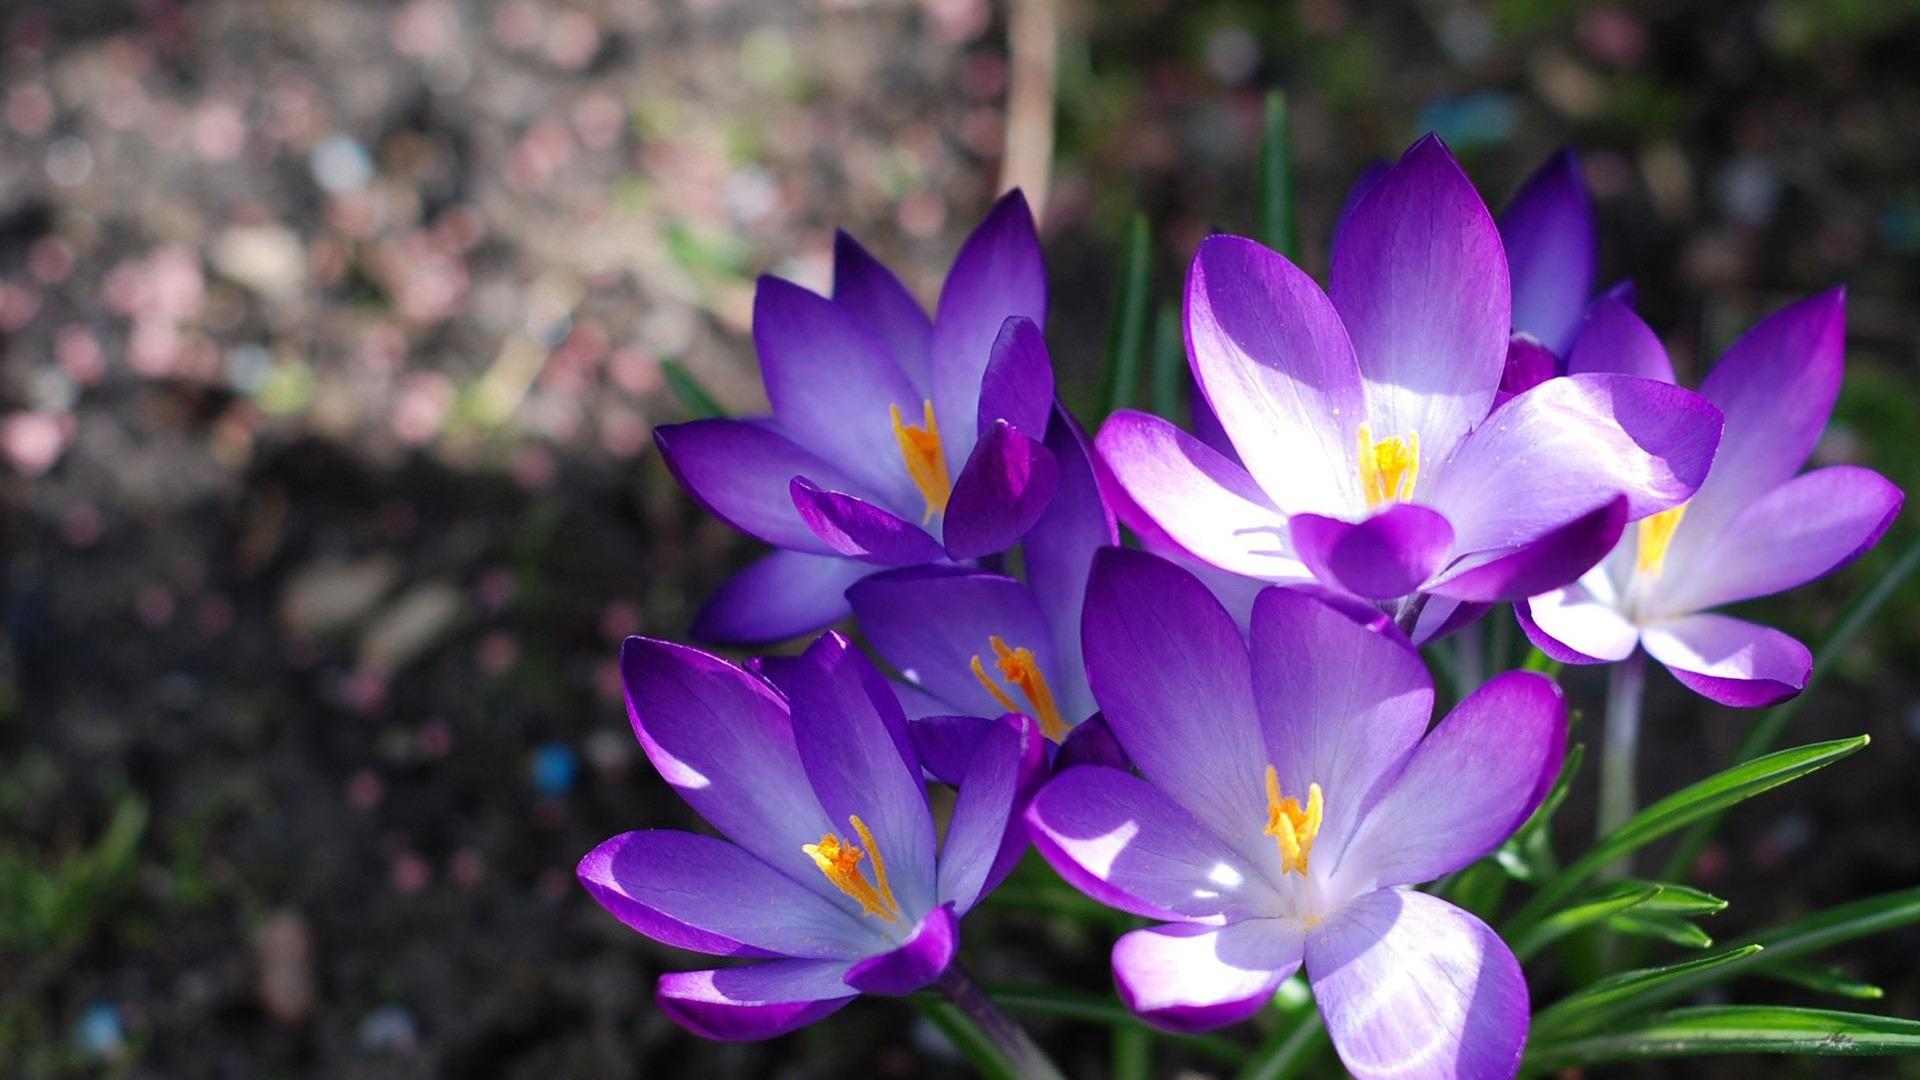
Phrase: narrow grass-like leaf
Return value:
(1132, 318)
(1682, 808)
(1674, 899)
(1766, 729)
(1825, 980)
(1169, 365)
(694, 397)
(1092, 1008)
(973, 1044)
(1619, 995)
(1278, 228)
(1608, 902)
(1290, 1048)
(1668, 928)
(1732, 1029)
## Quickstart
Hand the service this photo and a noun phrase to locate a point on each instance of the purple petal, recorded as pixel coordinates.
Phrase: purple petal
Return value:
(1184, 977)
(1466, 788)
(758, 1001)
(1169, 669)
(1124, 842)
(1341, 705)
(1277, 370)
(1443, 616)
(854, 745)
(1004, 488)
(865, 287)
(1616, 340)
(1018, 386)
(1555, 559)
(1059, 553)
(1569, 447)
(1091, 742)
(930, 622)
(1421, 282)
(1574, 626)
(1776, 385)
(1550, 241)
(665, 883)
(1387, 555)
(1807, 527)
(1206, 423)
(740, 473)
(859, 529)
(1206, 504)
(722, 738)
(834, 386)
(988, 831)
(1368, 177)
(998, 273)
(779, 596)
(1529, 364)
(926, 953)
(1412, 986)
(1729, 660)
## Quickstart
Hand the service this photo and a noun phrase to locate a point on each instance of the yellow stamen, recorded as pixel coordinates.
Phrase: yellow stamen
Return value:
(1656, 535)
(926, 460)
(1388, 468)
(1018, 667)
(1292, 827)
(840, 862)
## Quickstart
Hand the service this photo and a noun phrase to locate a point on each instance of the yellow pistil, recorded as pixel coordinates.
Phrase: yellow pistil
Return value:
(840, 862)
(1388, 468)
(926, 460)
(1018, 667)
(1656, 535)
(1292, 827)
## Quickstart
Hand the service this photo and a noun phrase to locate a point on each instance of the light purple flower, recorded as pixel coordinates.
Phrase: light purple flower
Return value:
(1374, 457)
(895, 439)
(1754, 528)
(830, 873)
(973, 644)
(1288, 789)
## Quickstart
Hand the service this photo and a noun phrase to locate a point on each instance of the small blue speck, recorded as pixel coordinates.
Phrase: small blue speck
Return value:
(555, 768)
(99, 1033)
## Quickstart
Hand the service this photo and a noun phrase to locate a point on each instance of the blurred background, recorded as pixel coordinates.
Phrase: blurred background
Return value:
(330, 346)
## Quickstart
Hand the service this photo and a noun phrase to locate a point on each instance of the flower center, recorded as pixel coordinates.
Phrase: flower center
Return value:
(926, 460)
(840, 862)
(1019, 668)
(1656, 535)
(1292, 827)
(1388, 468)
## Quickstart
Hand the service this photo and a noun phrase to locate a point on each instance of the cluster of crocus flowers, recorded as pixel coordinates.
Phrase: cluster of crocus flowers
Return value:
(1229, 733)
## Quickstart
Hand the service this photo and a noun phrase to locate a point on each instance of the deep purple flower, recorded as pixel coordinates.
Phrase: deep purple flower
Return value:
(973, 644)
(1754, 528)
(895, 440)
(830, 874)
(1288, 789)
(1548, 232)
(1374, 457)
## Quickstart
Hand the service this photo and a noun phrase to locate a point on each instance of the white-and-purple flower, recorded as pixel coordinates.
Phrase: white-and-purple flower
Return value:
(1371, 453)
(830, 874)
(1754, 528)
(1288, 790)
(895, 439)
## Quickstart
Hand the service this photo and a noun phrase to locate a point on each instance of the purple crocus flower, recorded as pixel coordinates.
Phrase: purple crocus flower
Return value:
(830, 874)
(1288, 789)
(1374, 457)
(895, 440)
(1548, 233)
(972, 644)
(1755, 528)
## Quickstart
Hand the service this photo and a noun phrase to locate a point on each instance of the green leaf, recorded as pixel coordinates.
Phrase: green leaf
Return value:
(1683, 807)
(1132, 314)
(1674, 899)
(1668, 928)
(1619, 995)
(1288, 1049)
(1093, 1008)
(1825, 980)
(1277, 227)
(974, 1044)
(1733, 1029)
(1542, 663)
(1169, 365)
(1608, 902)
(694, 397)
(1767, 728)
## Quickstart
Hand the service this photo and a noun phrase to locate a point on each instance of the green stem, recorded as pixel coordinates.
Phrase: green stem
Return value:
(1287, 1050)
(999, 1048)
(1469, 664)
(1619, 750)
